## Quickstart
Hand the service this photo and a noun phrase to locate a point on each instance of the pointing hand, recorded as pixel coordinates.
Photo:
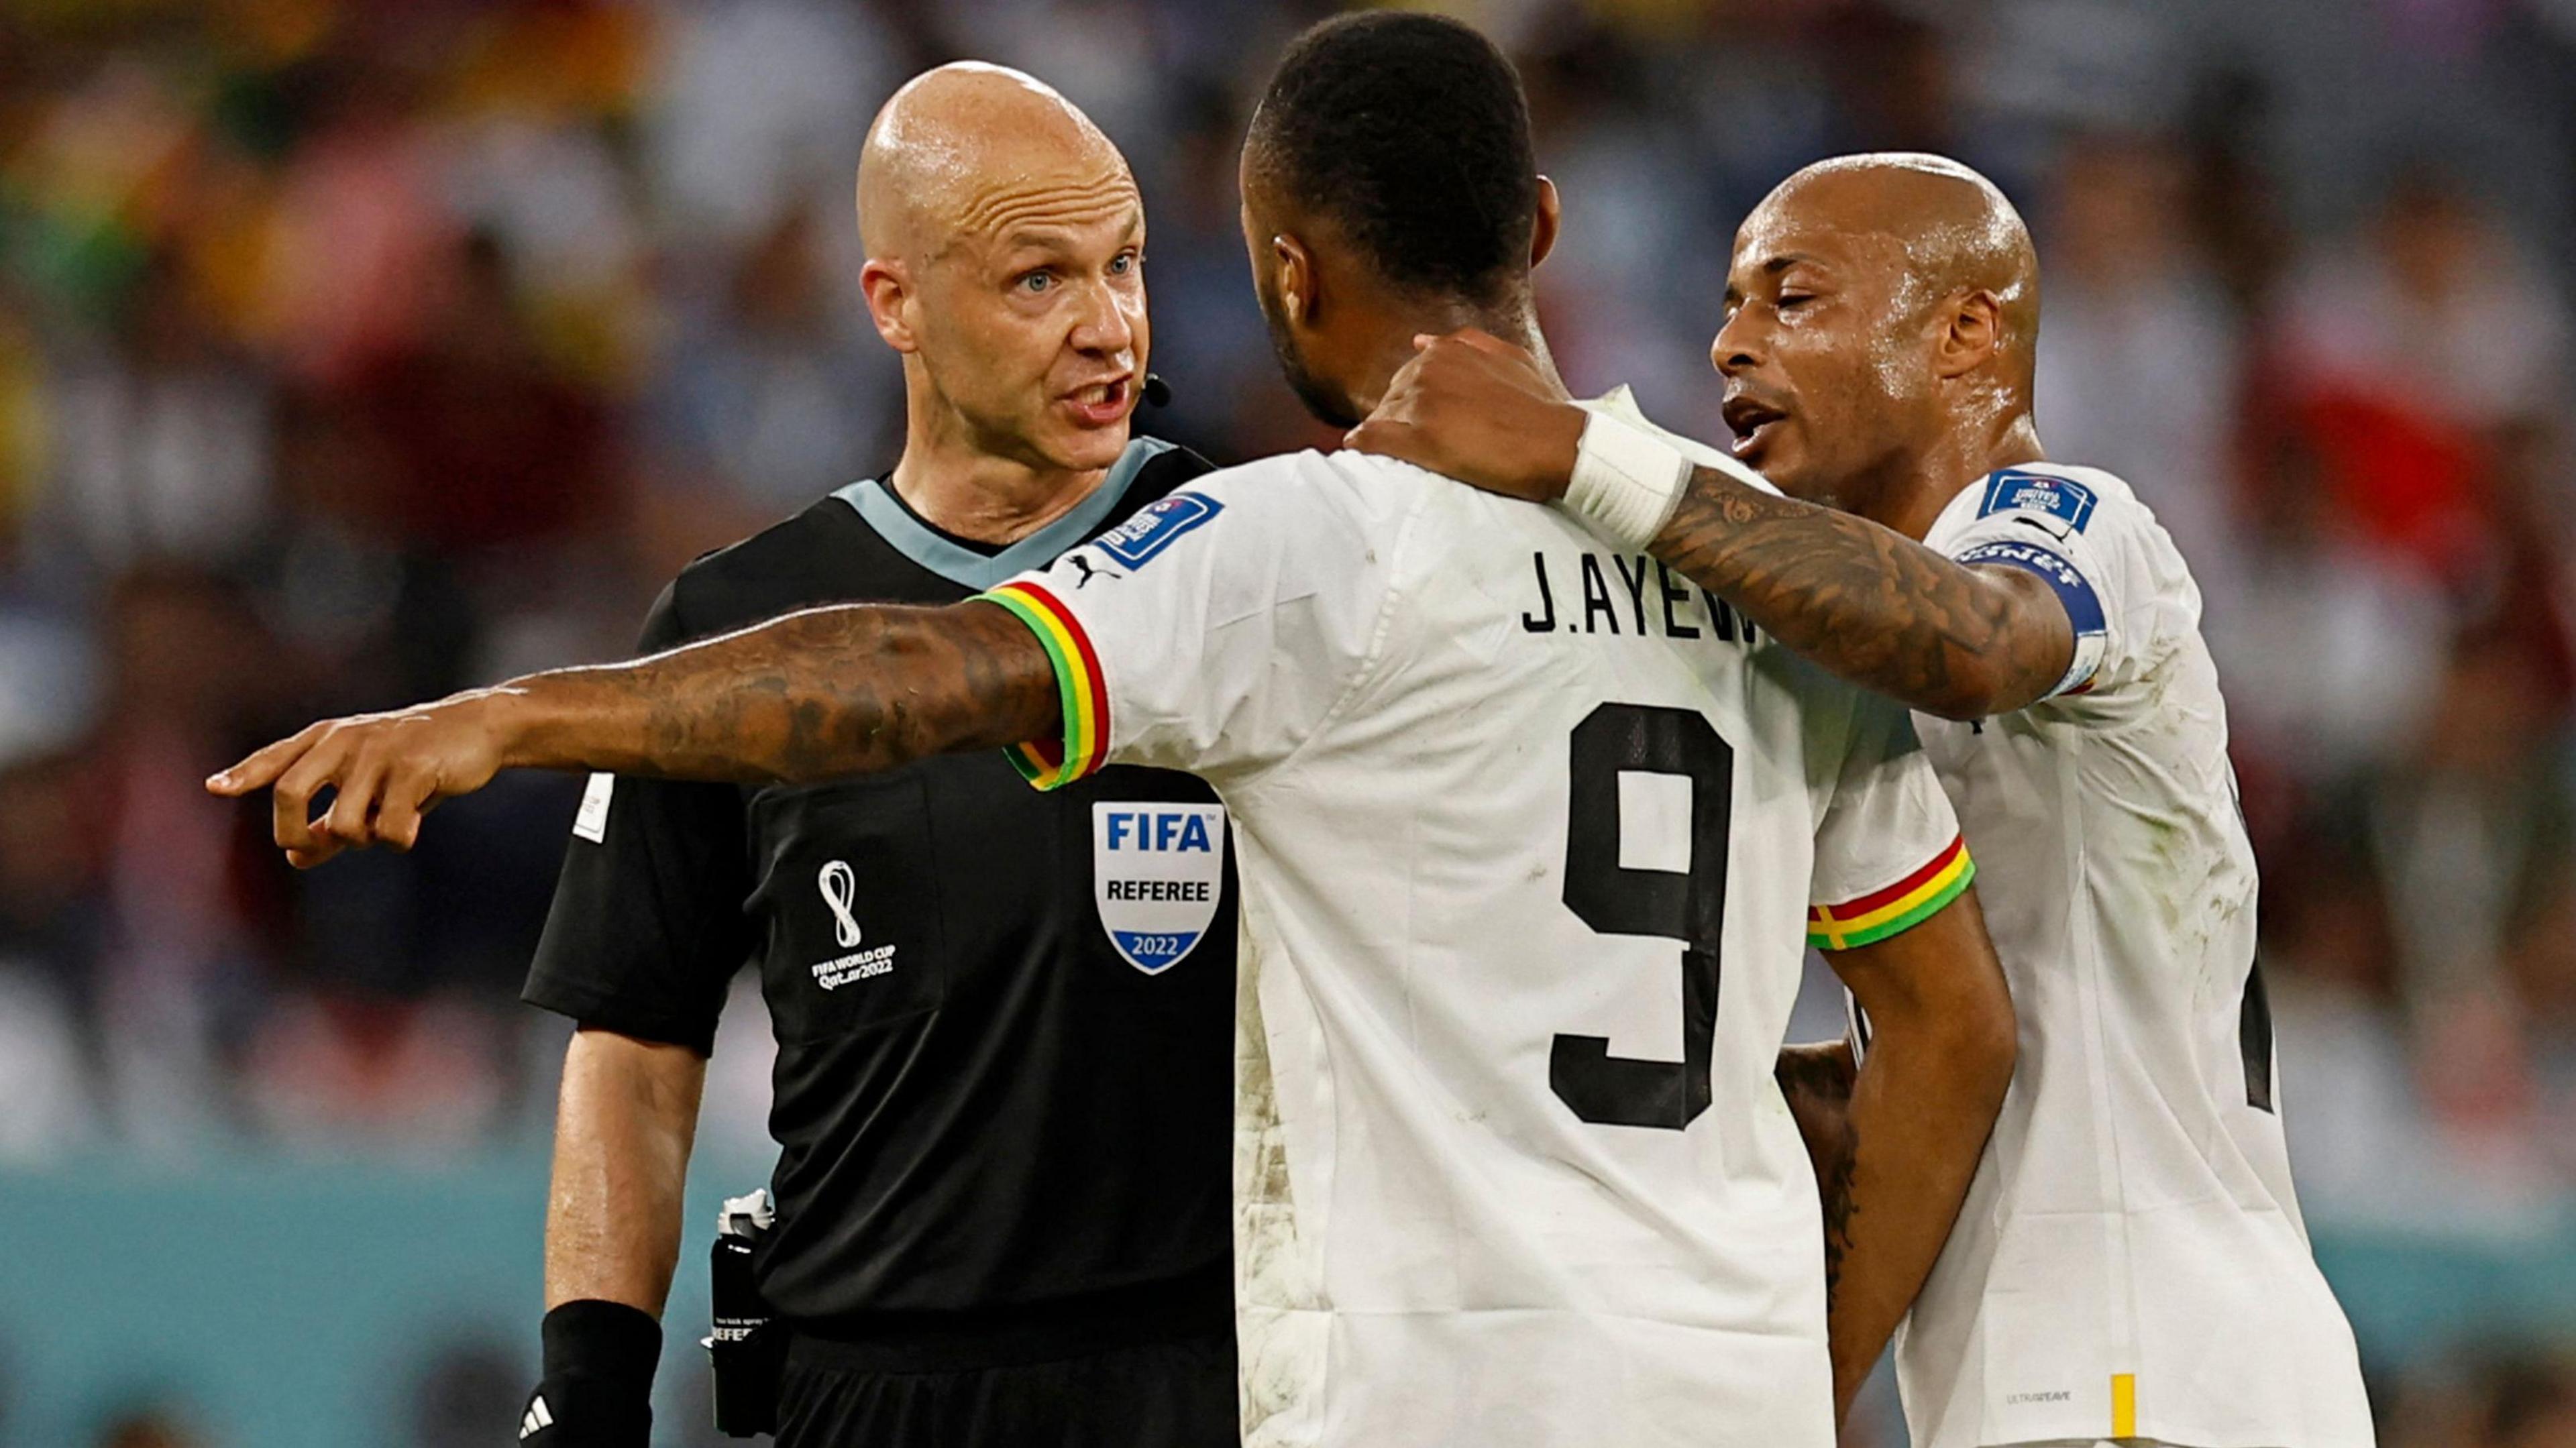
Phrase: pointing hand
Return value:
(389, 770)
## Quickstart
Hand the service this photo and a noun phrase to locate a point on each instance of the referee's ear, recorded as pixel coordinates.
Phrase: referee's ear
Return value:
(888, 287)
(1544, 222)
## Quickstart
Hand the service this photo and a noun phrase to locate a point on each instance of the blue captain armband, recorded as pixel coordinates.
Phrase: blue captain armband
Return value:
(2073, 589)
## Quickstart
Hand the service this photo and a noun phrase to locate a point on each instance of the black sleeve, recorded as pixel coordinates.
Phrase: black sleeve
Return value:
(647, 927)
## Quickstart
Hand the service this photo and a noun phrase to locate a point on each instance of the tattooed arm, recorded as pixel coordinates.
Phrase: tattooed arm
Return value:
(1864, 601)
(1816, 1081)
(813, 695)
(1897, 1142)
(1869, 603)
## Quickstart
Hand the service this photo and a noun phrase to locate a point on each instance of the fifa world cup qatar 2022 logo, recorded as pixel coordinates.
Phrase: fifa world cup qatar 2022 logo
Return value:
(839, 885)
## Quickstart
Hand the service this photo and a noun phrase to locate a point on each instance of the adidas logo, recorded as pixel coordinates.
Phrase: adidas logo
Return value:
(538, 1416)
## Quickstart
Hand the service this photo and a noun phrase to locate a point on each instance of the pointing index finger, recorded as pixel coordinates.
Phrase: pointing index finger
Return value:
(264, 766)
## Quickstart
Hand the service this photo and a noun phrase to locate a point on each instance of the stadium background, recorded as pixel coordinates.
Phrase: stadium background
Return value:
(349, 354)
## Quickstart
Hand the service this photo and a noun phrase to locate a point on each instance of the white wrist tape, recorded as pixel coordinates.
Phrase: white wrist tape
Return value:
(1626, 482)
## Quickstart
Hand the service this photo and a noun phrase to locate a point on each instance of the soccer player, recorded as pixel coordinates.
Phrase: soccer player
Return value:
(1532, 836)
(2131, 1263)
(1002, 1193)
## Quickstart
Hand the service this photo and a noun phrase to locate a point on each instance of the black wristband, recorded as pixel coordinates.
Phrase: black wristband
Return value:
(608, 1340)
(599, 1362)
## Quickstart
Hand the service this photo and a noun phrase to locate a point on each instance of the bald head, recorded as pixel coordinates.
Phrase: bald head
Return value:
(968, 150)
(1005, 262)
(1950, 228)
(1882, 311)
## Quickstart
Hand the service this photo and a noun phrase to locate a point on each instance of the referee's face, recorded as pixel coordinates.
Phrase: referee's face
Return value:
(1031, 323)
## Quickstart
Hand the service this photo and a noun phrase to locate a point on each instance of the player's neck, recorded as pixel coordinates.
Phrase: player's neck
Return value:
(1393, 346)
(1917, 486)
(960, 487)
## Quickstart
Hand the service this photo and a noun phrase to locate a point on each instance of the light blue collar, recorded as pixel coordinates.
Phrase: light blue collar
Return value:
(969, 569)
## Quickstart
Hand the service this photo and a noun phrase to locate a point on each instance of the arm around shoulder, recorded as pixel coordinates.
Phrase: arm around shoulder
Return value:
(1870, 604)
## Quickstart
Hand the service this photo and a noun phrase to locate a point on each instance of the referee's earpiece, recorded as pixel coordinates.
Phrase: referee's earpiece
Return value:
(1157, 391)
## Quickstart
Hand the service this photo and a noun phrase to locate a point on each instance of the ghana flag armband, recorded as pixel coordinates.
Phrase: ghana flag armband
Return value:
(1898, 908)
(1055, 763)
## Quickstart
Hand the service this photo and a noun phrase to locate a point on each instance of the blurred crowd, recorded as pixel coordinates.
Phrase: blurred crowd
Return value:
(352, 354)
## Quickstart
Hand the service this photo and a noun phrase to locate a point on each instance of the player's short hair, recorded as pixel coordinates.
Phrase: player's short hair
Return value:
(1411, 132)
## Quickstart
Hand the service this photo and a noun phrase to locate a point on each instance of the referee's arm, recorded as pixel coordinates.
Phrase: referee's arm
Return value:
(623, 1128)
(646, 931)
(624, 1124)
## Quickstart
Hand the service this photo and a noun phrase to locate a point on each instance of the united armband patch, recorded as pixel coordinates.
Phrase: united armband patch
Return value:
(1156, 526)
(2063, 498)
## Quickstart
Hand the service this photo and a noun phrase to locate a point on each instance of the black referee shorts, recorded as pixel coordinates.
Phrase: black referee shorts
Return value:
(1172, 1393)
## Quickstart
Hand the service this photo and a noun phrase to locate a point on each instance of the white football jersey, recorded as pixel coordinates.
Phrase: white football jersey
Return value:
(1529, 834)
(2130, 1261)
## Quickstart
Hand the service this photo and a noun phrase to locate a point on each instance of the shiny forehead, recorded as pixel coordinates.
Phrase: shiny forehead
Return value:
(972, 153)
(1940, 221)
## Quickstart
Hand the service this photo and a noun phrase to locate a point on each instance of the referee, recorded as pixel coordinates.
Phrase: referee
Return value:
(1004, 1018)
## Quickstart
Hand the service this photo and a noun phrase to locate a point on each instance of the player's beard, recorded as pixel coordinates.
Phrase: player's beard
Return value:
(1329, 404)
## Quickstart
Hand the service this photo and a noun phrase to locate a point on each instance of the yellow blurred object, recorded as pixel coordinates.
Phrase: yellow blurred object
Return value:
(22, 425)
(601, 335)
(277, 32)
(583, 61)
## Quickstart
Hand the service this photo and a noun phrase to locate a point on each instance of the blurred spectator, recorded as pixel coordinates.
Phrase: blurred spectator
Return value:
(761, 108)
(2409, 345)
(357, 223)
(163, 436)
(2541, 969)
(487, 444)
(178, 945)
(344, 1069)
(777, 397)
(2330, 651)
(2471, 832)
(2141, 357)
(45, 930)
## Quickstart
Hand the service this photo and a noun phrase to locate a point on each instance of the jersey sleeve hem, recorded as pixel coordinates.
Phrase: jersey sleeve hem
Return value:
(1054, 763)
(611, 1012)
(1897, 908)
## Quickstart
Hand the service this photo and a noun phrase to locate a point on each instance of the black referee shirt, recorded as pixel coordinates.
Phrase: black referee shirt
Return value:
(985, 1111)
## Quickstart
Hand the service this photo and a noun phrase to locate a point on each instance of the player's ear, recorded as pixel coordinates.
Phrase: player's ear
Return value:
(1971, 334)
(1543, 225)
(890, 295)
(1297, 278)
